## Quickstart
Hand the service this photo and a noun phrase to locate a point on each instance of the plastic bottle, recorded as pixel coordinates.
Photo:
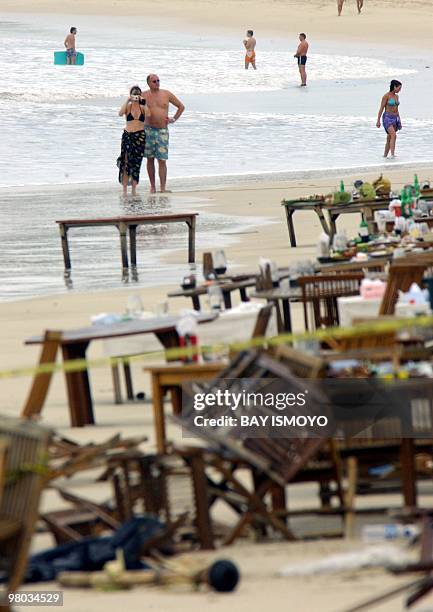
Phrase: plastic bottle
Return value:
(390, 531)
(363, 231)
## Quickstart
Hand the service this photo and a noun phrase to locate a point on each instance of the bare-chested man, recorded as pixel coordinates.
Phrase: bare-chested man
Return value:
(359, 5)
(250, 45)
(71, 54)
(301, 56)
(158, 101)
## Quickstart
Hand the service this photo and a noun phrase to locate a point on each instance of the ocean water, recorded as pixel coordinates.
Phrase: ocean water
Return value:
(31, 260)
(60, 127)
(60, 124)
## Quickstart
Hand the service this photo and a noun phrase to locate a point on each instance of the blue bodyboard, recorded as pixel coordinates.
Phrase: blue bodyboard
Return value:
(60, 58)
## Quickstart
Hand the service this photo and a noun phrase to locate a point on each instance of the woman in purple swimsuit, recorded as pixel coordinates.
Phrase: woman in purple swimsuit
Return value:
(391, 117)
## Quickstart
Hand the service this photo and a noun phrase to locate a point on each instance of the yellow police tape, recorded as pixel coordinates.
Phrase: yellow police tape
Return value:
(172, 354)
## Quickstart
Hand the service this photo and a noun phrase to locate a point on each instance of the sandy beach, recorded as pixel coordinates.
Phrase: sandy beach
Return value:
(381, 23)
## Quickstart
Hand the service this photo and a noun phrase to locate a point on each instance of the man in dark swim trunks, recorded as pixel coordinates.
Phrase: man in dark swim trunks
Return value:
(301, 56)
(71, 54)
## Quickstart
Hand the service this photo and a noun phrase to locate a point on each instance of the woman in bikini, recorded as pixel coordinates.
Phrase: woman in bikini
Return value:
(390, 117)
(133, 140)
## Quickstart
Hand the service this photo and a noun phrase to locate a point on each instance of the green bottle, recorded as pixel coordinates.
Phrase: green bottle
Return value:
(416, 186)
(363, 231)
(342, 186)
(403, 199)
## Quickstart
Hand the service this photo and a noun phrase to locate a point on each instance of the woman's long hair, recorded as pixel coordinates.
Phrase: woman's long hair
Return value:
(394, 84)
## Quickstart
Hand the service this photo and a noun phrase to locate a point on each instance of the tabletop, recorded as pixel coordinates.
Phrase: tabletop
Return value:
(224, 286)
(124, 328)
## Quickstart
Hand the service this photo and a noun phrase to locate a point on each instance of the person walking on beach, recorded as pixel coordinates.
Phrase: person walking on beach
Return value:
(156, 128)
(71, 53)
(359, 5)
(301, 56)
(133, 139)
(391, 117)
(250, 46)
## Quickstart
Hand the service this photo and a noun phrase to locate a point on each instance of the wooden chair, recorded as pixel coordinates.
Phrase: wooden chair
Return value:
(320, 293)
(273, 463)
(25, 478)
(300, 364)
(400, 278)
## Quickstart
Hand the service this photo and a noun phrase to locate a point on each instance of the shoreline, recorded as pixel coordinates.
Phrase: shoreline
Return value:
(265, 224)
(195, 183)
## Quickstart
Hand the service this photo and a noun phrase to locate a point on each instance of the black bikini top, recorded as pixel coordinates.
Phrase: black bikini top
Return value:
(130, 117)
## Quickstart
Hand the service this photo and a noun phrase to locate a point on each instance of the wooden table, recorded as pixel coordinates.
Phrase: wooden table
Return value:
(170, 378)
(129, 224)
(365, 207)
(74, 344)
(277, 295)
(226, 289)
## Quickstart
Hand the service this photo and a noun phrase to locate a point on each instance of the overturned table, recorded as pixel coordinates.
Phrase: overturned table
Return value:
(125, 225)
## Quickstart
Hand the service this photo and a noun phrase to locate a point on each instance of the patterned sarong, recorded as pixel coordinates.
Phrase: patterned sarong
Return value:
(390, 119)
(131, 155)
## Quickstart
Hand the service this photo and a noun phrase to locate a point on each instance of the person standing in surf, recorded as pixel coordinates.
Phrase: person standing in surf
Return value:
(301, 56)
(157, 137)
(71, 53)
(250, 53)
(359, 5)
(391, 117)
(133, 140)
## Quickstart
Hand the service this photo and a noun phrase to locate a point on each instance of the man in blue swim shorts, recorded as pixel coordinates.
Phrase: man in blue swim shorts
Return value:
(156, 128)
(71, 54)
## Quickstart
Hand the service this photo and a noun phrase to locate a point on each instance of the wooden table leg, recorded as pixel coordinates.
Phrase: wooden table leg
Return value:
(158, 413)
(176, 400)
(244, 296)
(287, 316)
(332, 225)
(128, 380)
(203, 519)
(319, 212)
(227, 296)
(408, 472)
(196, 302)
(123, 245)
(65, 245)
(290, 226)
(133, 244)
(78, 387)
(191, 239)
(116, 383)
(280, 324)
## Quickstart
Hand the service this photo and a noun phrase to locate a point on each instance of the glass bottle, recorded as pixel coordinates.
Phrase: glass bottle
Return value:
(363, 231)
(220, 262)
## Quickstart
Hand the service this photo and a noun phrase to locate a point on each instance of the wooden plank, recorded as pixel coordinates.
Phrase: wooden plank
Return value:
(41, 382)
(141, 219)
